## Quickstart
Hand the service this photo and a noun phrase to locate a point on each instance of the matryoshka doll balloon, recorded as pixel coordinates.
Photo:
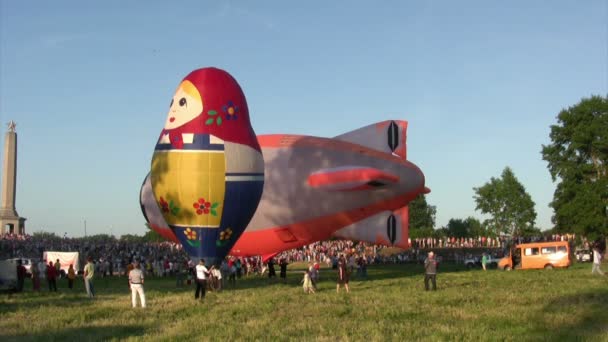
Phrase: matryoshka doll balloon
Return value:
(207, 169)
(154, 217)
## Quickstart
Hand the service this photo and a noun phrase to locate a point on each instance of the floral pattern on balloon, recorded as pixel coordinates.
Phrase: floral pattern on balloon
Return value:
(205, 207)
(168, 207)
(231, 110)
(211, 120)
(191, 237)
(225, 236)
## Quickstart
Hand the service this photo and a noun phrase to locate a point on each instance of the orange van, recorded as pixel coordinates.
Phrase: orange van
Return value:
(537, 255)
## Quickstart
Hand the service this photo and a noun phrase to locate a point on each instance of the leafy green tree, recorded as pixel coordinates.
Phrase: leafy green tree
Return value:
(578, 160)
(422, 217)
(475, 227)
(457, 228)
(100, 237)
(131, 238)
(152, 236)
(505, 199)
(469, 227)
(45, 235)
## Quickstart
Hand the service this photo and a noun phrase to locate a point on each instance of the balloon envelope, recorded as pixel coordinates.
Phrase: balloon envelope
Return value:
(152, 213)
(207, 169)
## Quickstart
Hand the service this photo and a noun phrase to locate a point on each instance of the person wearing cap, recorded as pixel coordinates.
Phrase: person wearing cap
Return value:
(430, 267)
(136, 282)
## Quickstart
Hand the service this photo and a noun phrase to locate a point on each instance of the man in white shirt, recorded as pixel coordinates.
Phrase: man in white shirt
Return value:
(136, 280)
(89, 274)
(597, 261)
(201, 279)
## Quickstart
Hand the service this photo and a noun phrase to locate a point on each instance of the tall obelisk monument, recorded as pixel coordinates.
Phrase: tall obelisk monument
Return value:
(10, 222)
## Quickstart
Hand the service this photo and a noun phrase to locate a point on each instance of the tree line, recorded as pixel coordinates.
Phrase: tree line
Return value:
(577, 160)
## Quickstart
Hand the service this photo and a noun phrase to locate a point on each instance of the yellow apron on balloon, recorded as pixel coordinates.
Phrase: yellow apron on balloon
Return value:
(189, 186)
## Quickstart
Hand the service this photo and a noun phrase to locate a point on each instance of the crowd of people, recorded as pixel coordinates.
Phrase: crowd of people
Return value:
(107, 256)
(113, 256)
(483, 241)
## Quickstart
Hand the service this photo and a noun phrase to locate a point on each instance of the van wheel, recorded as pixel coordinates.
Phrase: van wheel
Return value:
(548, 267)
(507, 268)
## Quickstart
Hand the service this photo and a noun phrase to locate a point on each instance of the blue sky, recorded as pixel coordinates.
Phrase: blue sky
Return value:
(479, 81)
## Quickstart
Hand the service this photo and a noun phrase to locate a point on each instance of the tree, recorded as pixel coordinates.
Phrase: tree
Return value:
(152, 236)
(457, 228)
(505, 199)
(578, 160)
(422, 217)
(45, 235)
(475, 227)
(132, 238)
(469, 227)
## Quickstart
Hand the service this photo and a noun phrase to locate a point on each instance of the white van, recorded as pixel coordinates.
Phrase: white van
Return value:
(27, 263)
(8, 275)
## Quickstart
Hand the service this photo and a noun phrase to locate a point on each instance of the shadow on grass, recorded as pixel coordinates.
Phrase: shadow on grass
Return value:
(102, 333)
(588, 316)
(36, 300)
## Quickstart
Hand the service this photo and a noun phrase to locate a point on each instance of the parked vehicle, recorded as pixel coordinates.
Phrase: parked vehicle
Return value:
(475, 262)
(27, 263)
(537, 255)
(8, 275)
(584, 255)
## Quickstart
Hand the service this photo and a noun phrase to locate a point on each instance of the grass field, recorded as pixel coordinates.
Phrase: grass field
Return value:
(554, 305)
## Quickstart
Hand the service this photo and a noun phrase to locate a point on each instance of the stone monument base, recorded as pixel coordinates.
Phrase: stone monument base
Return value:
(12, 225)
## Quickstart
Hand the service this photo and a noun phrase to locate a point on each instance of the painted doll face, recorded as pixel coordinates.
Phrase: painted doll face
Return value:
(185, 105)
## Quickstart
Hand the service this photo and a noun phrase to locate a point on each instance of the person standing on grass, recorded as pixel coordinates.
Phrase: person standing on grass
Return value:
(201, 279)
(35, 277)
(89, 273)
(232, 276)
(42, 270)
(430, 267)
(283, 269)
(343, 274)
(51, 276)
(597, 261)
(20, 275)
(239, 268)
(271, 272)
(484, 260)
(71, 276)
(312, 272)
(307, 283)
(136, 282)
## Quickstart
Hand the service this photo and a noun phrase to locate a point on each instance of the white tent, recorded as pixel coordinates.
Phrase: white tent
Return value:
(65, 259)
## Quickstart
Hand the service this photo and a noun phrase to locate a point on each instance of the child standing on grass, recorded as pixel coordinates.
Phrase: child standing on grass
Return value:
(307, 283)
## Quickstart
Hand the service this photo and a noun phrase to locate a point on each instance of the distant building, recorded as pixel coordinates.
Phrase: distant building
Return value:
(10, 221)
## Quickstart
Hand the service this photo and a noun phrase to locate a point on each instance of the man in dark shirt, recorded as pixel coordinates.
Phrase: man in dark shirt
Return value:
(51, 275)
(283, 265)
(20, 275)
(430, 267)
(271, 271)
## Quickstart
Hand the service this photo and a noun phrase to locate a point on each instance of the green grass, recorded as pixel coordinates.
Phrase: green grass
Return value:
(553, 305)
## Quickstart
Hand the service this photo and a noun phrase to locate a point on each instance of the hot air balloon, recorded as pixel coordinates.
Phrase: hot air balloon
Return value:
(353, 186)
(207, 169)
(151, 211)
